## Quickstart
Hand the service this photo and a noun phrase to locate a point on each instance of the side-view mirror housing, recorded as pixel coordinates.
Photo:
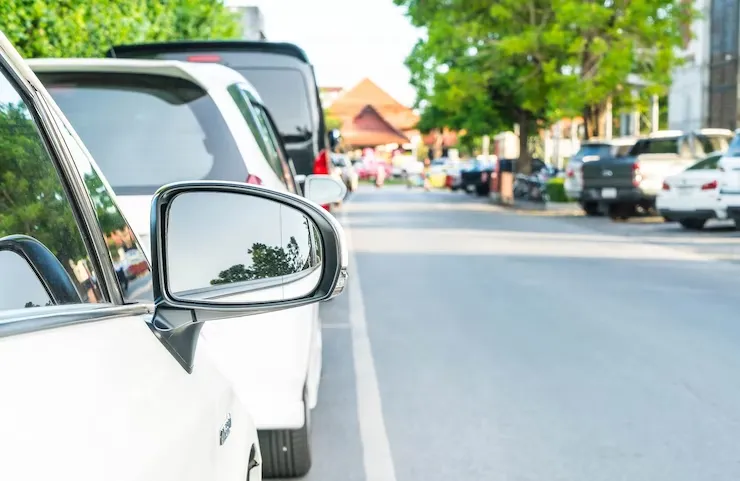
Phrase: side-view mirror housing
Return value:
(324, 189)
(227, 249)
(335, 137)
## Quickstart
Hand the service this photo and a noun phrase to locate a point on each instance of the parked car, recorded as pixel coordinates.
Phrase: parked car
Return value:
(176, 121)
(345, 170)
(625, 186)
(281, 73)
(590, 151)
(729, 167)
(106, 383)
(693, 197)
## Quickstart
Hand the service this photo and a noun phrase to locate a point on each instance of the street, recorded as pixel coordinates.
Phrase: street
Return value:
(491, 345)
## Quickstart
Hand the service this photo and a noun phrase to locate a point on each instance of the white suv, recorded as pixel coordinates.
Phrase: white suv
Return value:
(152, 122)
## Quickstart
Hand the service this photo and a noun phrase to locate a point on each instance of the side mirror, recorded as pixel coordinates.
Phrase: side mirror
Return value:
(324, 189)
(335, 137)
(223, 249)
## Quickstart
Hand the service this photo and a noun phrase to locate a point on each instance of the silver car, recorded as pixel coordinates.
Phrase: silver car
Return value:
(343, 168)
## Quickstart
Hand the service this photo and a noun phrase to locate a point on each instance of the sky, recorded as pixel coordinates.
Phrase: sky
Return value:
(360, 38)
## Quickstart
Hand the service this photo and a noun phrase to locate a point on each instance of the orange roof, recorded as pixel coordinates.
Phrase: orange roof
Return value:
(369, 129)
(353, 100)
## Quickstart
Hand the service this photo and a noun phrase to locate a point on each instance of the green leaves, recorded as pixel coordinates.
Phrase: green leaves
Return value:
(57, 28)
(550, 58)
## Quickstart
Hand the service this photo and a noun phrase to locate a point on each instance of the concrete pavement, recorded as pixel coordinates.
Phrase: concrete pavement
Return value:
(489, 345)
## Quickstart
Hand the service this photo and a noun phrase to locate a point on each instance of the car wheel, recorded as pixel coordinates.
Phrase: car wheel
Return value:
(286, 453)
(692, 224)
(591, 209)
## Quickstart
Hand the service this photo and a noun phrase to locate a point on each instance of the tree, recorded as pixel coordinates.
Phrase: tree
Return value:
(64, 28)
(267, 262)
(532, 62)
(32, 199)
(331, 121)
(470, 78)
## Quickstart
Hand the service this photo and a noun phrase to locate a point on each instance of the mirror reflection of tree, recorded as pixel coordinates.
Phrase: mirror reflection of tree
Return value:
(267, 262)
(32, 199)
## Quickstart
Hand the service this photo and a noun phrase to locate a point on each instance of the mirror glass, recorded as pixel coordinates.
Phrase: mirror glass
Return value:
(324, 189)
(231, 248)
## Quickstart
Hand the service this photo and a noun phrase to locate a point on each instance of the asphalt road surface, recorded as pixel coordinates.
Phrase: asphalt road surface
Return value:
(478, 344)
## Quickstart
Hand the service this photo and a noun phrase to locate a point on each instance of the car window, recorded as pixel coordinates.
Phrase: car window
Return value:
(145, 130)
(286, 94)
(655, 146)
(596, 150)
(622, 150)
(130, 263)
(733, 150)
(710, 163)
(708, 144)
(284, 170)
(35, 203)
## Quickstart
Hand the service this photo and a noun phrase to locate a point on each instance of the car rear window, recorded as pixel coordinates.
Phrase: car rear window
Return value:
(710, 163)
(285, 93)
(147, 130)
(667, 145)
(596, 150)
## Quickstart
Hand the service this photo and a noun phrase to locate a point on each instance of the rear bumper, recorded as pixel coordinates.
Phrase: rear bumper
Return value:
(624, 195)
(704, 214)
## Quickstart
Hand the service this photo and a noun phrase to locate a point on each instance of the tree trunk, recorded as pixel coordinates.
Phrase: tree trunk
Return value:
(593, 120)
(524, 165)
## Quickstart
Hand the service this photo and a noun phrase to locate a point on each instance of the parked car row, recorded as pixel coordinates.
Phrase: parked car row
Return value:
(626, 185)
(145, 201)
(708, 189)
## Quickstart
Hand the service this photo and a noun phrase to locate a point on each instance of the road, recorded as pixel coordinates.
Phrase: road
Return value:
(487, 345)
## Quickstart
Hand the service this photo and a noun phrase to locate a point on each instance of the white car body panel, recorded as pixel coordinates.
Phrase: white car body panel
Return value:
(685, 193)
(114, 376)
(269, 357)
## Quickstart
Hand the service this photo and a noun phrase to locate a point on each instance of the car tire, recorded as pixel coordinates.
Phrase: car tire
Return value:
(286, 453)
(692, 224)
(591, 209)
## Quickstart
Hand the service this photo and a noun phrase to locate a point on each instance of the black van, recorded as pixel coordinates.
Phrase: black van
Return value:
(282, 75)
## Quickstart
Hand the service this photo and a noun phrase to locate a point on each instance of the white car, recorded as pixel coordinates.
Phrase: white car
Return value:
(99, 382)
(693, 197)
(153, 122)
(729, 165)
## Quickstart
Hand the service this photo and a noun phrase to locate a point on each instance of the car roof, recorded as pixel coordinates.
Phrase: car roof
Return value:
(209, 76)
(281, 48)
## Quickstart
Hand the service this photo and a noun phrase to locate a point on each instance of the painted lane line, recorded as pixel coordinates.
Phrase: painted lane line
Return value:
(376, 449)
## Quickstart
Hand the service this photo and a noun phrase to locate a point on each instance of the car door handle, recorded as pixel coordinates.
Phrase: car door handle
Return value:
(253, 463)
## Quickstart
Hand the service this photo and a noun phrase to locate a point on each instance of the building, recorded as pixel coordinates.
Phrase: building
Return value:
(688, 97)
(723, 40)
(371, 117)
(252, 21)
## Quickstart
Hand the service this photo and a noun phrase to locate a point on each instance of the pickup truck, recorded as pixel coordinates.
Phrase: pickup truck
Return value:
(626, 186)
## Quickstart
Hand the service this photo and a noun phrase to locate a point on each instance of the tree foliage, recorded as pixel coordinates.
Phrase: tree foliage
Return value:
(485, 65)
(267, 262)
(66, 28)
(32, 199)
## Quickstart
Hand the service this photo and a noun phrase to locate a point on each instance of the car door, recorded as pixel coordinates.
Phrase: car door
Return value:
(89, 392)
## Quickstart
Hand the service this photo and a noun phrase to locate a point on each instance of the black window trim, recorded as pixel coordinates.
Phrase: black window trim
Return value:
(82, 210)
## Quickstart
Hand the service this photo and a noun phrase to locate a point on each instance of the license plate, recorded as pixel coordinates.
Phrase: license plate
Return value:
(609, 193)
(469, 188)
(684, 191)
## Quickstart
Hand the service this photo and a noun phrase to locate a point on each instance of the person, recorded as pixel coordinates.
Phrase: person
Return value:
(426, 174)
(379, 174)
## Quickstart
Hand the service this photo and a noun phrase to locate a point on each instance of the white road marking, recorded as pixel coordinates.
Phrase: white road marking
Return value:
(376, 449)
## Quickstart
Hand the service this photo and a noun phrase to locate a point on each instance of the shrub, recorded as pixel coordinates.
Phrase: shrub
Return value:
(556, 190)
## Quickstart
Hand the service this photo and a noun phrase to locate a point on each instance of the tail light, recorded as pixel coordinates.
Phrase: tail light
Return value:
(636, 174)
(321, 167)
(254, 180)
(709, 185)
(569, 172)
(205, 58)
(666, 186)
(321, 164)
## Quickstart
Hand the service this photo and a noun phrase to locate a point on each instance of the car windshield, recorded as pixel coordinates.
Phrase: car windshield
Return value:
(147, 130)
(286, 95)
